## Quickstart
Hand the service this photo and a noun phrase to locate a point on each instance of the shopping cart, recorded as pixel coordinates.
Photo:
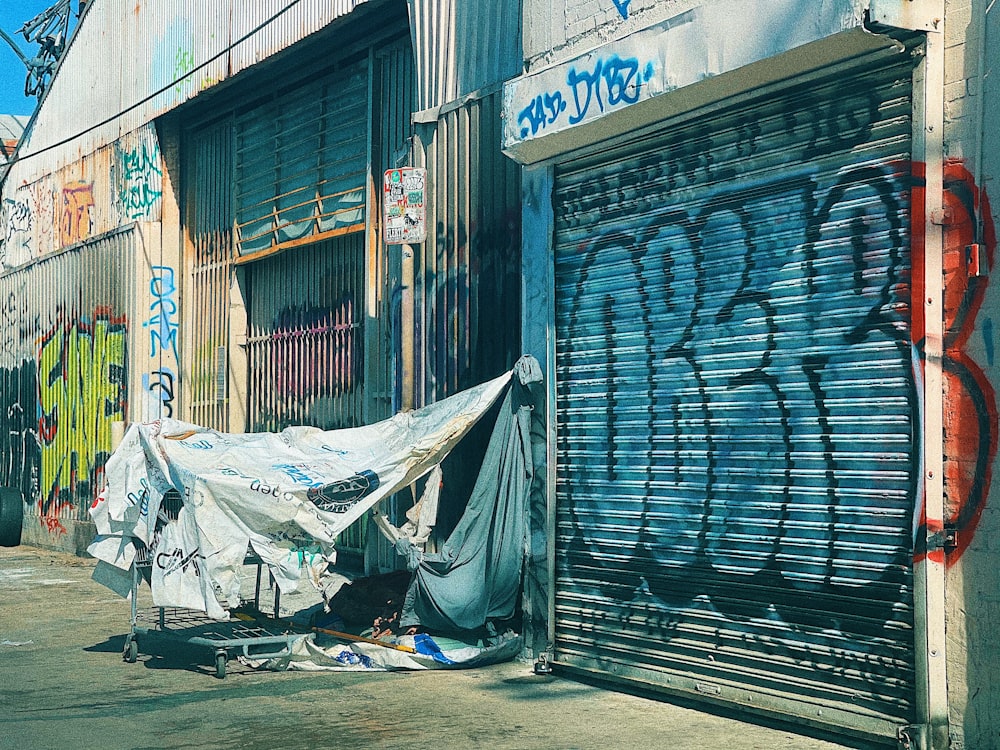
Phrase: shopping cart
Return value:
(248, 632)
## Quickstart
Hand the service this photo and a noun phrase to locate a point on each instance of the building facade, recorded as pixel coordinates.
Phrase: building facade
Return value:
(192, 229)
(750, 243)
(757, 248)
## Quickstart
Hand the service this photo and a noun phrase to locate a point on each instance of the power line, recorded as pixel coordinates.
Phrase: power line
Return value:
(17, 159)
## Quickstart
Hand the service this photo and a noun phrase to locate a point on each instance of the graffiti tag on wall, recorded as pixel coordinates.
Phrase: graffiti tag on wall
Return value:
(76, 222)
(137, 181)
(160, 384)
(741, 384)
(82, 389)
(970, 415)
(22, 216)
(622, 7)
(19, 448)
(162, 324)
(17, 223)
(610, 83)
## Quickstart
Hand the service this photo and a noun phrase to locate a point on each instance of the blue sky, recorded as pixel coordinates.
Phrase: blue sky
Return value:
(13, 14)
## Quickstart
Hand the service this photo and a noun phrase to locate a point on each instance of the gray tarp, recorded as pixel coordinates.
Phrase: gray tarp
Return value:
(476, 576)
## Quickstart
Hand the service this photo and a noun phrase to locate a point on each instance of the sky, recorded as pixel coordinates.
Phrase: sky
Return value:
(13, 14)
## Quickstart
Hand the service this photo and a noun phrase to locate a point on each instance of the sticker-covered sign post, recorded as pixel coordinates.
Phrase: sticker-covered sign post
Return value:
(404, 217)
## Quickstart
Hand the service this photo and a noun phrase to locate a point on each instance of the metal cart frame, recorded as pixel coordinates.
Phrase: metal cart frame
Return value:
(252, 638)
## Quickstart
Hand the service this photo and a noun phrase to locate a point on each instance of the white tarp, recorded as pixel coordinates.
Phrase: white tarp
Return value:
(285, 495)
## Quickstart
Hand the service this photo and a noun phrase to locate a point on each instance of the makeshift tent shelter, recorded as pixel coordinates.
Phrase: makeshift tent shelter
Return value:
(286, 496)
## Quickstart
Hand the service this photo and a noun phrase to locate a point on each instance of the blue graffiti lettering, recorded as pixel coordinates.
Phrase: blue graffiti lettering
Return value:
(612, 82)
(543, 110)
(622, 84)
(162, 325)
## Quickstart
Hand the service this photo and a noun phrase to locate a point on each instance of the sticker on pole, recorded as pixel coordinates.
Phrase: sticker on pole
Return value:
(404, 211)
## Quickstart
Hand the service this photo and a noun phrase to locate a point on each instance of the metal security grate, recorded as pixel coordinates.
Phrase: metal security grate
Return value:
(210, 212)
(736, 409)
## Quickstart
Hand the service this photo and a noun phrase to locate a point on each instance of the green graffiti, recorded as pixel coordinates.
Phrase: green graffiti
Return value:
(82, 376)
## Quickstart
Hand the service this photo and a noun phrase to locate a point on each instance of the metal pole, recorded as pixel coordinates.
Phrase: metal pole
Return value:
(929, 572)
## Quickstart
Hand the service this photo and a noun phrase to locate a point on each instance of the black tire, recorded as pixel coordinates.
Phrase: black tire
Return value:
(11, 517)
(131, 652)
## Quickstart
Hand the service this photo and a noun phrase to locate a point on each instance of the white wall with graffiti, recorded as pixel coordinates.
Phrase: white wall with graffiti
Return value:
(168, 52)
(73, 303)
(113, 187)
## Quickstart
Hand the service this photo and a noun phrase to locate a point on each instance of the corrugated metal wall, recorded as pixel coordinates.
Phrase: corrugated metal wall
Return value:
(463, 283)
(64, 354)
(467, 274)
(466, 280)
(209, 218)
(166, 47)
(395, 96)
(462, 47)
(737, 414)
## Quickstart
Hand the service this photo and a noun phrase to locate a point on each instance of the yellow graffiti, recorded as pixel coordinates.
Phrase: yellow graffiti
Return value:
(82, 377)
(78, 199)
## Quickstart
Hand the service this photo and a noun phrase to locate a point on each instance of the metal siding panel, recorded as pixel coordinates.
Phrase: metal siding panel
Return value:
(64, 375)
(467, 287)
(396, 91)
(463, 47)
(209, 216)
(736, 421)
(303, 18)
(159, 44)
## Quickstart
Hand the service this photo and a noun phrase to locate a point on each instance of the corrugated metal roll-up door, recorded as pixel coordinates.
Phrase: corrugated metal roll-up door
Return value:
(736, 416)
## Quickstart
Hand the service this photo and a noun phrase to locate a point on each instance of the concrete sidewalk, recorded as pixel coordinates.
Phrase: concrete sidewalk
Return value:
(63, 684)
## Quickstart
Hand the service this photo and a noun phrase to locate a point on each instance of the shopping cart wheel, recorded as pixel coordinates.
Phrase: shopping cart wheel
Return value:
(220, 664)
(131, 652)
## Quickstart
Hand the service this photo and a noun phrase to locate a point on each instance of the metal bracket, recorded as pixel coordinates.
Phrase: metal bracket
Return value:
(904, 736)
(950, 538)
(543, 664)
(976, 260)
